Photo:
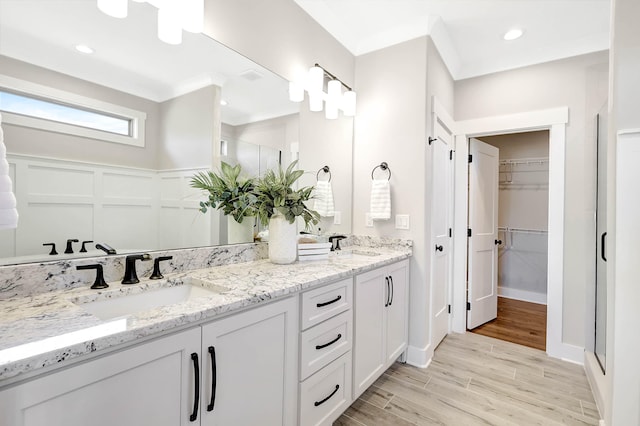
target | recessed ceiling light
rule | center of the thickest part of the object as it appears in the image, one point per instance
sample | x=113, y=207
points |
x=513, y=34
x=83, y=48
x=223, y=102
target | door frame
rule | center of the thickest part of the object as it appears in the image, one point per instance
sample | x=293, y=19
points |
x=554, y=120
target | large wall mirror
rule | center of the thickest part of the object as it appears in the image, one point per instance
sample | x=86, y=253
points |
x=201, y=103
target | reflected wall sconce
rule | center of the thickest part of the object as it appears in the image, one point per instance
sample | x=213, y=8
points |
x=333, y=100
x=173, y=16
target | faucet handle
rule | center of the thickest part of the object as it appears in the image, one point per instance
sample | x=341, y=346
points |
x=99, y=282
x=53, y=248
x=83, y=249
x=69, y=249
x=156, y=274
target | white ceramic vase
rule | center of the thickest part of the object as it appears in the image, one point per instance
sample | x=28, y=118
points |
x=240, y=232
x=283, y=240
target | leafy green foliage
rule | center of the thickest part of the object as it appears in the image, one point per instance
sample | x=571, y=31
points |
x=275, y=195
x=227, y=191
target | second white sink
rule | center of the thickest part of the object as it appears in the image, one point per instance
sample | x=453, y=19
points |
x=106, y=309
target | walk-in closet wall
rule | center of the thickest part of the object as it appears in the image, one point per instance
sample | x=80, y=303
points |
x=523, y=214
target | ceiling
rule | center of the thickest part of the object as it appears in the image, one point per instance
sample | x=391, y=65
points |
x=129, y=57
x=468, y=33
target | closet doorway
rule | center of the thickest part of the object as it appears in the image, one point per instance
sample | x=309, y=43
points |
x=515, y=257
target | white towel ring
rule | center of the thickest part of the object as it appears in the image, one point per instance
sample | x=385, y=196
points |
x=326, y=170
x=383, y=166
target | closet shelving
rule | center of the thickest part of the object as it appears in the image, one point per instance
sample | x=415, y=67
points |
x=524, y=172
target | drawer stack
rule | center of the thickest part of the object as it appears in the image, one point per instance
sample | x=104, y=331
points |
x=326, y=340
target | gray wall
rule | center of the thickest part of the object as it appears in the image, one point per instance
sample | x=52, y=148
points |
x=23, y=140
x=568, y=82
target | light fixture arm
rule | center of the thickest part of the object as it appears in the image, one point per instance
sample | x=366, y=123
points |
x=333, y=77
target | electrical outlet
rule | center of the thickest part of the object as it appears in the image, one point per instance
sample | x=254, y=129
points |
x=402, y=221
x=337, y=218
x=368, y=221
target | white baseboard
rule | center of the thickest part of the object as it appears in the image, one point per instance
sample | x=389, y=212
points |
x=527, y=296
x=597, y=381
x=419, y=357
x=565, y=352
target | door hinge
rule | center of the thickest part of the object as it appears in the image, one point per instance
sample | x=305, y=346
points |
x=469, y=232
x=470, y=158
x=449, y=308
x=468, y=306
x=450, y=232
x=451, y=155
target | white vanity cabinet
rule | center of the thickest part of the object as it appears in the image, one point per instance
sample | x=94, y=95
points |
x=155, y=383
x=326, y=340
x=149, y=384
x=380, y=322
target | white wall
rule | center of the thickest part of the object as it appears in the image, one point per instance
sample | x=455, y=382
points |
x=187, y=129
x=550, y=85
x=392, y=125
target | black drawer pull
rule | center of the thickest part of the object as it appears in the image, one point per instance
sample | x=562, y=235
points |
x=327, y=398
x=318, y=347
x=392, y=290
x=386, y=280
x=196, y=401
x=320, y=305
x=603, y=240
x=214, y=378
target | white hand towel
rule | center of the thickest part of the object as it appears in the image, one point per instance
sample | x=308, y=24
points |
x=380, y=208
x=324, y=199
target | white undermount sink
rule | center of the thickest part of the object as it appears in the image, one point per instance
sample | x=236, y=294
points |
x=153, y=298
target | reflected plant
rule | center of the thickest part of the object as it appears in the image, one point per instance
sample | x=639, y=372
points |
x=228, y=191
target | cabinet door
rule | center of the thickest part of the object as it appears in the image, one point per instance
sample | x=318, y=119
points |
x=150, y=384
x=371, y=293
x=397, y=318
x=250, y=373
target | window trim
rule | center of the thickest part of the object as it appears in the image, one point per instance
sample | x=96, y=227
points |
x=30, y=89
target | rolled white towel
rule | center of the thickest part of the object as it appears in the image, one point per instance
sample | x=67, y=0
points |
x=324, y=199
x=5, y=183
x=7, y=200
x=8, y=218
x=380, y=208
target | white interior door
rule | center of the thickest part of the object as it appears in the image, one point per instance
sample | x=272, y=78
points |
x=441, y=210
x=482, y=290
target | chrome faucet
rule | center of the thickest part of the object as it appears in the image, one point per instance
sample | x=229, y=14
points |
x=130, y=275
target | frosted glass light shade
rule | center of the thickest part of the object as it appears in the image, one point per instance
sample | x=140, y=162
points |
x=334, y=89
x=349, y=103
x=315, y=81
x=193, y=15
x=169, y=27
x=315, y=103
x=296, y=92
x=115, y=8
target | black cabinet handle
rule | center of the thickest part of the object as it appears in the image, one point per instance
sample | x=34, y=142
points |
x=214, y=378
x=386, y=303
x=603, y=240
x=318, y=347
x=392, y=290
x=320, y=305
x=497, y=242
x=196, y=402
x=327, y=398
x=439, y=248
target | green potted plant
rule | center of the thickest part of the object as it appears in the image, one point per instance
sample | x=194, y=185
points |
x=277, y=205
x=233, y=194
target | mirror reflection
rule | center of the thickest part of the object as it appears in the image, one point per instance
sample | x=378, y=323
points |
x=188, y=107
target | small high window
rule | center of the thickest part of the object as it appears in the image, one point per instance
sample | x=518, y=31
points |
x=31, y=105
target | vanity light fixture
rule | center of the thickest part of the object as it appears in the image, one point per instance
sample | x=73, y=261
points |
x=83, y=48
x=115, y=8
x=513, y=34
x=334, y=98
x=173, y=16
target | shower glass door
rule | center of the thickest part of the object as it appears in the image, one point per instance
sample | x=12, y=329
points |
x=601, y=245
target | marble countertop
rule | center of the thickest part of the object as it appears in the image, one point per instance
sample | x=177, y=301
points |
x=47, y=329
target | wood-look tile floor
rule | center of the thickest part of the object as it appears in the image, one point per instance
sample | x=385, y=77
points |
x=478, y=380
x=519, y=322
